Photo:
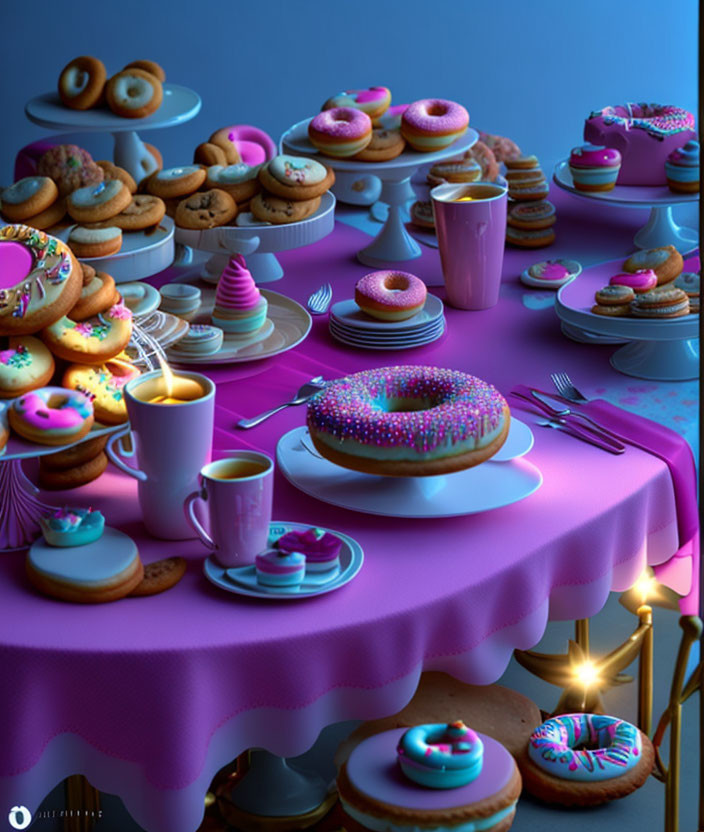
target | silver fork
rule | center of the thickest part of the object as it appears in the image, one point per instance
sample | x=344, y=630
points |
x=584, y=436
x=563, y=385
x=319, y=301
x=307, y=391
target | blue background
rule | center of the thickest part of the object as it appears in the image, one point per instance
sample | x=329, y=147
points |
x=529, y=70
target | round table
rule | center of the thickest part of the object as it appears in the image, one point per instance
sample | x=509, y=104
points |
x=149, y=697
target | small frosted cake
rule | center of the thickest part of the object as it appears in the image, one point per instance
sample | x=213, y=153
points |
x=239, y=308
x=275, y=568
x=72, y=526
x=321, y=548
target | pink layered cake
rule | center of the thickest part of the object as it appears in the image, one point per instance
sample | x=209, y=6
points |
x=239, y=307
x=644, y=134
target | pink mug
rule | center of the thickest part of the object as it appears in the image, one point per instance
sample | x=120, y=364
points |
x=238, y=492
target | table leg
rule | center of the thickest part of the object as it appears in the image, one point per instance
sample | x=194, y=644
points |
x=82, y=804
x=662, y=230
x=273, y=795
x=581, y=634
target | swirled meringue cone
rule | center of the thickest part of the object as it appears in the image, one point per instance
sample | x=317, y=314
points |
x=239, y=307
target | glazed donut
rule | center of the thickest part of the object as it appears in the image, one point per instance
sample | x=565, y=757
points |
x=52, y=416
x=104, y=386
x=152, y=67
x=134, y=93
x=586, y=759
x=94, y=341
x=441, y=756
x=82, y=82
x=340, y=132
x=25, y=364
x=390, y=295
x=374, y=101
x=40, y=280
x=433, y=124
x=408, y=421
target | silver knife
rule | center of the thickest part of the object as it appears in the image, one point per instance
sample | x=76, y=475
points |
x=579, y=433
x=559, y=409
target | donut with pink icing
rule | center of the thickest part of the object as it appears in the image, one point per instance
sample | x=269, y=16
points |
x=433, y=124
x=374, y=101
x=390, y=295
x=641, y=281
x=52, y=416
x=645, y=134
x=408, y=421
x=340, y=132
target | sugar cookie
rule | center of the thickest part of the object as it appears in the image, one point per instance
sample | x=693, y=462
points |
x=25, y=364
x=94, y=341
x=95, y=242
x=296, y=177
x=28, y=196
x=98, y=202
x=111, y=171
x=179, y=181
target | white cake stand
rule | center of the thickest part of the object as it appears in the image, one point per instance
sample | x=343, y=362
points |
x=143, y=253
x=258, y=241
x=179, y=105
x=665, y=350
x=393, y=244
x=20, y=505
x=661, y=229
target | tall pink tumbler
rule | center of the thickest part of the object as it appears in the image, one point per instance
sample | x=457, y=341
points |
x=470, y=221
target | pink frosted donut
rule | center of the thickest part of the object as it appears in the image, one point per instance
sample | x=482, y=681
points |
x=641, y=281
x=52, y=416
x=253, y=145
x=373, y=101
x=390, y=295
x=340, y=132
x=433, y=124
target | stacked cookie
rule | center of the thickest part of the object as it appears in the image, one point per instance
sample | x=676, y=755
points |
x=652, y=285
x=531, y=216
x=220, y=149
x=134, y=92
x=283, y=190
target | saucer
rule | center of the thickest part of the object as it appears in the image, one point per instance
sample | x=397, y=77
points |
x=241, y=580
x=346, y=312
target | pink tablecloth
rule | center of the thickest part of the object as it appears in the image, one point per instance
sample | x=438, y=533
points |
x=149, y=697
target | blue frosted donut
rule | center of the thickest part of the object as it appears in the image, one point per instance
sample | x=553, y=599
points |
x=441, y=756
x=585, y=747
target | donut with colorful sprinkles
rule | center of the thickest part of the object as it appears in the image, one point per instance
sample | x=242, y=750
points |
x=585, y=759
x=408, y=421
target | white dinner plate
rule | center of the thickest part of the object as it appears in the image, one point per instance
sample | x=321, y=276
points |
x=401, y=343
x=348, y=313
x=241, y=580
x=498, y=482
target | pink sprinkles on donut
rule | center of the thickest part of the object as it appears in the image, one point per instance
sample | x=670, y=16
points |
x=457, y=407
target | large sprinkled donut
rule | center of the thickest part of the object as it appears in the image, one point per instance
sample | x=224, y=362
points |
x=441, y=756
x=390, y=295
x=52, y=416
x=408, y=421
x=645, y=135
x=340, y=132
x=586, y=759
x=433, y=124
x=40, y=280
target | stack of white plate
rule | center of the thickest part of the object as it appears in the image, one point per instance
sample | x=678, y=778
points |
x=349, y=325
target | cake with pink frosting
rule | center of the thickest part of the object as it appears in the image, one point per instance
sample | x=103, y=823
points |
x=239, y=307
x=644, y=134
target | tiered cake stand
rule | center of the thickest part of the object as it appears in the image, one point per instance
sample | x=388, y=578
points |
x=258, y=241
x=20, y=506
x=178, y=106
x=661, y=229
x=143, y=253
x=393, y=244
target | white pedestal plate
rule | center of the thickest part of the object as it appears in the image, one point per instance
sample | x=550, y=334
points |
x=393, y=244
x=660, y=229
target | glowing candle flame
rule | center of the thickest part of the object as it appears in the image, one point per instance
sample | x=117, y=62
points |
x=586, y=673
x=168, y=377
x=646, y=585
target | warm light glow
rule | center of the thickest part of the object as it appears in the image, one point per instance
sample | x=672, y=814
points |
x=645, y=586
x=168, y=377
x=586, y=674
